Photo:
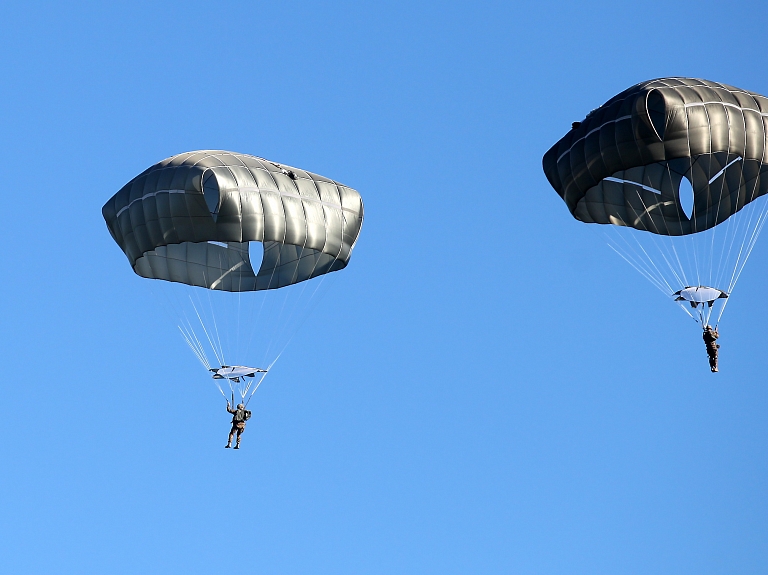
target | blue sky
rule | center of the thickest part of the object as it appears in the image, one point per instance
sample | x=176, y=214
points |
x=487, y=388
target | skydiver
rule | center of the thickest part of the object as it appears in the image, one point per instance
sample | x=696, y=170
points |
x=239, y=416
x=710, y=336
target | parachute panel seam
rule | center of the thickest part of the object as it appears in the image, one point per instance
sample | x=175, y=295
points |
x=568, y=151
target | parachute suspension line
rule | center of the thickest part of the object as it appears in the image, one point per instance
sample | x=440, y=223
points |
x=750, y=236
x=219, y=352
x=740, y=266
x=649, y=263
x=285, y=324
x=670, y=267
x=232, y=390
x=212, y=307
x=305, y=314
x=752, y=242
x=201, y=357
x=192, y=347
x=216, y=383
x=256, y=322
x=247, y=401
x=694, y=246
x=747, y=245
x=221, y=391
x=743, y=230
x=685, y=309
x=309, y=306
x=649, y=277
x=193, y=337
x=287, y=343
x=705, y=314
x=213, y=311
x=278, y=321
x=644, y=265
x=656, y=242
x=263, y=375
x=202, y=324
x=239, y=351
x=636, y=260
x=719, y=195
x=731, y=230
x=264, y=296
x=183, y=323
x=190, y=336
x=680, y=265
x=745, y=223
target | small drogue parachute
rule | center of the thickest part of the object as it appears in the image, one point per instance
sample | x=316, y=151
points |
x=235, y=372
x=230, y=230
x=700, y=295
x=675, y=168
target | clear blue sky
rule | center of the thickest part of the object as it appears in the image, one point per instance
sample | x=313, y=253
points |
x=486, y=389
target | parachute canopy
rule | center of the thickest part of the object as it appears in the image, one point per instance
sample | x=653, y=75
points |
x=189, y=219
x=624, y=163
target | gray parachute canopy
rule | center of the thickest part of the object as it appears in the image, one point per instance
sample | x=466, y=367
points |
x=189, y=219
x=623, y=164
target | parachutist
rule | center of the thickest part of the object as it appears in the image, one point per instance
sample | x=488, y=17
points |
x=239, y=416
x=710, y=336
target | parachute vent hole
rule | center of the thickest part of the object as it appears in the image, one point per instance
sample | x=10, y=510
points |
x=685, y=196
x=256, y=255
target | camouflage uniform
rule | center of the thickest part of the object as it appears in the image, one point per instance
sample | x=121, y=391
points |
x=710, y=336
x=239, y=416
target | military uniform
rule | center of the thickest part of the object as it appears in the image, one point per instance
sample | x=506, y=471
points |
x=239, y=416
x=710, y=337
